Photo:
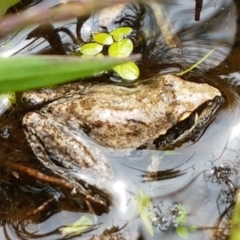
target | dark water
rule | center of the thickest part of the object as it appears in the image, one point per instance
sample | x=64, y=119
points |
x=202, y=177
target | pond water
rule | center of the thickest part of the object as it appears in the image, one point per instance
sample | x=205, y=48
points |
x=194, y=186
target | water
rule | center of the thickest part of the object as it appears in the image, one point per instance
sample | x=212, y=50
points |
x=200, y=178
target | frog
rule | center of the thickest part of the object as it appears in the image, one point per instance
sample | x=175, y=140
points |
x=154, y=114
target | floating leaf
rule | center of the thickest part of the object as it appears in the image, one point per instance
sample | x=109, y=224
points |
x=103, y=38
x=142, y=202
x=91, y=49
x=26, y=72
x=118, y=38
x=121, y=49
x=128, y=71
x=5, y=5
x=182, y=232
x=121, y=31
x=146, y=216
x=142, y=205
x=182, y=214
x=85, y=222
x=99, y=55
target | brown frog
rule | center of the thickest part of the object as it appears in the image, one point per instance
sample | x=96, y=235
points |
x=156, y=114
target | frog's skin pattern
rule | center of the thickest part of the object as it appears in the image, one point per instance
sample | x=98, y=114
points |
x=117, y=117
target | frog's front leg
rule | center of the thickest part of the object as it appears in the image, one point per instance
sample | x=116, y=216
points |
x=37, y=97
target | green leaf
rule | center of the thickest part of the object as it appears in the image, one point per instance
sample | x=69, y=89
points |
x=121, y=49
x=91, y=49
x=182, y=232
x=85, y=222
x=146, y=216
x=26, y=72
x=142, y=205
x=118, y=38
x=128, y=71
x=182, y=214
x=235, y=229
x=5, y=5
x=142, y=201
x=100, y=55
x=103, y=38
x=121, y=31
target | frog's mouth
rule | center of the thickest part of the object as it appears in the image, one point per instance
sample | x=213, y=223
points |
x=191, y=126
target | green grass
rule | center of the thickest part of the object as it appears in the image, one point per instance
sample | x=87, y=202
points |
x=28, y=72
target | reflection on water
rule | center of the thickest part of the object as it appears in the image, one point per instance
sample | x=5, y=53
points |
x=200, y=176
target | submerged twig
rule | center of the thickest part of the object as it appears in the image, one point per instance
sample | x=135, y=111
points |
x=40, y=208
x=89, y=199
x=198, y=9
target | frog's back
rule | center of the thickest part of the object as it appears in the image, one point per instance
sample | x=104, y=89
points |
x=120, y=117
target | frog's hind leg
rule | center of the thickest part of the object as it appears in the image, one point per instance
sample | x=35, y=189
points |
x=43, y=157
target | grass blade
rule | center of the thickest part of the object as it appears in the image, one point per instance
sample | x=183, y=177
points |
x=27, y=72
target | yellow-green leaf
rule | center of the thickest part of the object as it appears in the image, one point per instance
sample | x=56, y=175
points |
x=121, y=49
x=118, y=38
x=128, y=71
x=85, y=222
x=235, y=229
x=5, y=5
x=146, y=216
x=103, y=38
x=142, y=205
x=100, y=55
x=91, y=49
x=182, y=232
x=182, y=214
x=121, y=31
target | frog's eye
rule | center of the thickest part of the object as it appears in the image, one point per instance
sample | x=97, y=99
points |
x=184, y=116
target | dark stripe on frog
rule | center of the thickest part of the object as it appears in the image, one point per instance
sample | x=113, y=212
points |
x=182, y=126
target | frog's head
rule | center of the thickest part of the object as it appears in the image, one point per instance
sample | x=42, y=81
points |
x=200, y=102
